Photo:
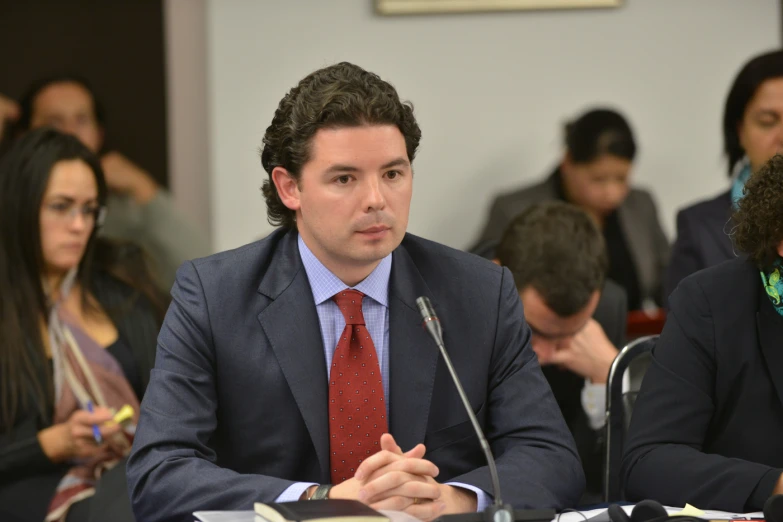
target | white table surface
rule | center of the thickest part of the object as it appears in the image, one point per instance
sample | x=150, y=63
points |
x=398, y=516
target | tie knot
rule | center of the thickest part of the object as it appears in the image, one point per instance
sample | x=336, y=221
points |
x=350, y=304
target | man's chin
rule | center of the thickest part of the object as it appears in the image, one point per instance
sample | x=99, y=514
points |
x=369, y=251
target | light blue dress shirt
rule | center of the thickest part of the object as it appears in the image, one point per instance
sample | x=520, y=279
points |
x=375, y=308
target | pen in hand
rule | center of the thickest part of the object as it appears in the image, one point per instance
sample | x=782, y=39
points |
x=95, y=431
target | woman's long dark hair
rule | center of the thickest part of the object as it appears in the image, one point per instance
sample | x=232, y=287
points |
x=25, y=375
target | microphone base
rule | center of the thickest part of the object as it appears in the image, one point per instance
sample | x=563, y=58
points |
x=502, y=514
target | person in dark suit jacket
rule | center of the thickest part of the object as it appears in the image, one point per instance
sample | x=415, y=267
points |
x=594, y=175
x=558, y=259
x=707, y=422
x=250, y=400
x=752, y=134
x=51, y=193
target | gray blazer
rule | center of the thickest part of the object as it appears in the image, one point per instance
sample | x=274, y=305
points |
x=638, y=218
x=236, y=409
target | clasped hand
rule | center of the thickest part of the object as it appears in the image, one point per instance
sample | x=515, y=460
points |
x=399, y=481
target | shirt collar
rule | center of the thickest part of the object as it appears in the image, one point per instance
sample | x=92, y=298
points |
x=325, y=284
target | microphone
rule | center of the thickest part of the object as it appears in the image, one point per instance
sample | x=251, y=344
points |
x=498, y=511
x=773, y=509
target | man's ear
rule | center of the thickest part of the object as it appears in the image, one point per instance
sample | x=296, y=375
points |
x=780, y=249
x=287, y=188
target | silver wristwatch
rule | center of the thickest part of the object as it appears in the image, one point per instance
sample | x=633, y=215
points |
x=321, y=492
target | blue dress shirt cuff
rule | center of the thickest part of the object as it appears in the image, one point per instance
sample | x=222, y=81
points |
x=293, y=492
x=483, y=500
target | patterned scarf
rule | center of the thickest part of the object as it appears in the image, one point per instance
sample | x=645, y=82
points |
x=85, y=372
x=774, y=286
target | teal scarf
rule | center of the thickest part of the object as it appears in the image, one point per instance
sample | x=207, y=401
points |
x=740, y=178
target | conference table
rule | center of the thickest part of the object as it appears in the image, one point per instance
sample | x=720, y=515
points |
x=397, y=516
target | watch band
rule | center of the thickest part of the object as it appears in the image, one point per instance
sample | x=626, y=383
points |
x=321, y=492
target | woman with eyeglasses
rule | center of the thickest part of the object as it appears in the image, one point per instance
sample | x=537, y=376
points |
x=79, y=319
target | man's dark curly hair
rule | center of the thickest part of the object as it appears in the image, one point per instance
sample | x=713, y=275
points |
x=758, y=220
x=341, y=95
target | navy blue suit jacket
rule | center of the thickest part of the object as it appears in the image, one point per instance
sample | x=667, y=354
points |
x=236, y=408
x=707, y=424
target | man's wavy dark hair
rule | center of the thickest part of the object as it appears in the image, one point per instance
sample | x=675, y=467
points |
x=558, y=250
x=341, y=95
x=758, y=220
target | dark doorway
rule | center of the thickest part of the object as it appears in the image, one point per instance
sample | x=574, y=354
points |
x=116, y=45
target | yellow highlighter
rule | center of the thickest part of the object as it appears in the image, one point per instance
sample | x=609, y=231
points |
x=124, y=416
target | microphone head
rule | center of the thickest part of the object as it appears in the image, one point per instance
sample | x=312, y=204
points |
x=617, y=514
x=647, y=510
x=773, y=509
x=425, y=308
x=430, y=319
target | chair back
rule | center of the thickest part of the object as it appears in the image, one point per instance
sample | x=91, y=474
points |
x=622, y=387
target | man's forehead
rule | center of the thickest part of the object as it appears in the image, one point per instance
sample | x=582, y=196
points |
x=555, y=331
x=63, y=95
x=380, y=145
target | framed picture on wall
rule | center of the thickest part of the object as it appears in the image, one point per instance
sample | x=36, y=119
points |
x=399, y=7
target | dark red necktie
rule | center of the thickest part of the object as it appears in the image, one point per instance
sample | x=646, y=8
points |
x=357, y=410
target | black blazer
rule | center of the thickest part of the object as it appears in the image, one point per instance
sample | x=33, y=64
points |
x=702, y=239
x=611, y=314
x=236, y=410
x=707, y=427
x=27, y=477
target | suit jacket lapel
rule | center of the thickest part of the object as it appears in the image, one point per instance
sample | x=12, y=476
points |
x=770, y=329
x=413, y=356
x=291, y=324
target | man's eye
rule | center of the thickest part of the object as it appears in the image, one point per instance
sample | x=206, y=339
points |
x=392, y=174
x=343, y=180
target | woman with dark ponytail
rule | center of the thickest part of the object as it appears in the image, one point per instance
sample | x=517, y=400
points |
x=594, y=174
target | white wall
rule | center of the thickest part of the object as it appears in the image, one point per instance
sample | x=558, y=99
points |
x=491, y=93
x=186, y=92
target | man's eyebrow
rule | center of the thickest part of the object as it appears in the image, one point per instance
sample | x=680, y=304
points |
x=549, y=336
x=346, y=168
x=336, y=168
x=399, y=162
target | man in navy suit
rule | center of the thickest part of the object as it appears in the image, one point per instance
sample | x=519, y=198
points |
x=296, y=367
